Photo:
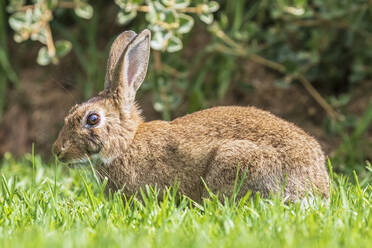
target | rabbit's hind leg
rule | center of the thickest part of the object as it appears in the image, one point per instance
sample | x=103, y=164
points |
x=259, y=166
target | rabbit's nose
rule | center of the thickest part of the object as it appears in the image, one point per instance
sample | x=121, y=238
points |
x=57, y=150
x=58, y=153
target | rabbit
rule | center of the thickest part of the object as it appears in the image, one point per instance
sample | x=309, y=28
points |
x=208, y=148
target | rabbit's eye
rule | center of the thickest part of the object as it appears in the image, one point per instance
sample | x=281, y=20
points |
x=93, y=119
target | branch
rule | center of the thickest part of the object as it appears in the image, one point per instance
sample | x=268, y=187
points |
x=321, y=101
x=49, y=41
x=241, y=51
x=305, y=83
x=25, y=8
x=67, y=5
x=157, y=61
x=193, y=10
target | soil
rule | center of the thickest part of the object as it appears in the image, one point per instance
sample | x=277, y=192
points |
x=34, y=113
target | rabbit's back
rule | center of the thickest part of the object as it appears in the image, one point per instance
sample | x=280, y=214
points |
x=241, y=123
x=213, y=126
x=278, y=144
x=213, y=143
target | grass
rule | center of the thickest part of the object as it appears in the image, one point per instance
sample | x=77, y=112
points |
x=52, y=206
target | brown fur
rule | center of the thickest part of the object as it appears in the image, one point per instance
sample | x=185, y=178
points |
x=211, y=144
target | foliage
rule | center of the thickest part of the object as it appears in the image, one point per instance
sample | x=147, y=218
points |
x=32, y=22
x=354, y=146
x=323, y=45
x=166, y=18
x=326, y=43
x=5, y=67
x=43, y=206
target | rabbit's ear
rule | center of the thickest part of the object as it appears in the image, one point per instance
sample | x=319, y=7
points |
x=135, y=61
x=117, y=48
x=130, y=69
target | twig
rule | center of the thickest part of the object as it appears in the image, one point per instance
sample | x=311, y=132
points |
x=337, y=22
x=143, y=8
x=305, y=83
x=49, y=41
x=321, y=101
x=239, y=50
x=44, y=23
x=159, y=66
x=268, y=63
x=224, y=37
x=25, y=8
x=67, y=5
x=194, y=10
x=157, y=61
x=170, y=70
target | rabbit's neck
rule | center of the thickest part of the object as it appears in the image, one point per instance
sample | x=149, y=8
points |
x=142, y=160
x=120, y=137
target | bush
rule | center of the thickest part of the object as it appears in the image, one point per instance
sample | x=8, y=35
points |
x=323, y=45
x=326, y=42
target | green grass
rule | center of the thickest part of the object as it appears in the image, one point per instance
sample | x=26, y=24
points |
x=52, y=206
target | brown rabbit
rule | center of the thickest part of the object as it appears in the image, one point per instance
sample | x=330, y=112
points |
x=211, y=144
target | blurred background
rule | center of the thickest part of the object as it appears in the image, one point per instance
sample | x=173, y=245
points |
x=307, y=61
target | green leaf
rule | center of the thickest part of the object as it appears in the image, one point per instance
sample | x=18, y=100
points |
x=128, y=4
x=169, y=17
x=206, y=18
x=212, y=6
x=125, y=17
x=224, y=21
x=174, y=44
x=84, y=10
x=52, y=3
x=43, y=57
x=177, y=4
x=185, y=23
x=152, y=15
x=138, y=2
x=18, y=38
x=159, y=40
x=40, y=36
x=159, y=106
x=14, y=5
x=63, y=47
x=19, y=20
x=121, y=3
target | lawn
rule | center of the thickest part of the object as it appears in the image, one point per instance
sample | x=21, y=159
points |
x=49, y=205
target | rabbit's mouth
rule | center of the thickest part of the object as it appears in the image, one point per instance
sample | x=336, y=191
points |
x=79, y=163
x=91, y=160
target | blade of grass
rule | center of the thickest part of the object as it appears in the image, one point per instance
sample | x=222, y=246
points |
x=33, y=165
x=6, y=191
x=89, y=192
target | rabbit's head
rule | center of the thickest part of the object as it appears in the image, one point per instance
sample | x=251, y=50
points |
x=102, y=127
